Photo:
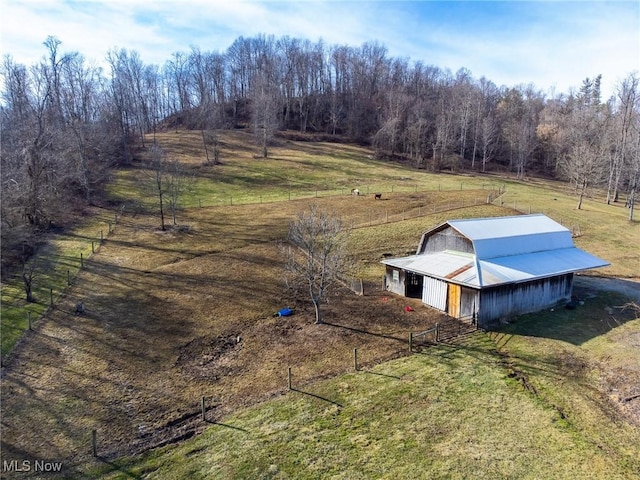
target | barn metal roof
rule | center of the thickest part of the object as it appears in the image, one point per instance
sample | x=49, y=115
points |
x=515, y=235
x=507, y=250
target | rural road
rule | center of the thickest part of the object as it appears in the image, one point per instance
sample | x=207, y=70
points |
x=630, y=288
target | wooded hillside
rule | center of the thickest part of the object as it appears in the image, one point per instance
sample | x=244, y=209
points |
x=66, y=123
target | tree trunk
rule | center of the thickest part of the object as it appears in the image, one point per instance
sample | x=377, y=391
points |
x=28, y=285
x=316, y=306
x=204, y=142
x=582, y=190
x=161, y=211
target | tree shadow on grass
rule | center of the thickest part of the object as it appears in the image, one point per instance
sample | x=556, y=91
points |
x=358, y=330
x=597, y=315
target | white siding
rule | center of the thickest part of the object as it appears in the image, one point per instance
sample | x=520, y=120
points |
x=434, y=293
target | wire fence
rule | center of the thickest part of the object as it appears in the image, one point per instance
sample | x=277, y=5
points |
x=301, y=192
x=52, y=284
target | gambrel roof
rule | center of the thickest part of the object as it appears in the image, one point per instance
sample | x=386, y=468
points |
x=505, y=250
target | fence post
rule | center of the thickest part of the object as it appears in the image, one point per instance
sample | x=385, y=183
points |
x=29, y=319
x=94, y=442
x=68, y=277
x=93, y=247
x=410, y=342
x=204, y=410
x=437, y=332
x=289, y=378
x=355, y=359
x=81, y=260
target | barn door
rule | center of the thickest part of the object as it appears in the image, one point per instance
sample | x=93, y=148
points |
x=434, y=293
x=453, y=304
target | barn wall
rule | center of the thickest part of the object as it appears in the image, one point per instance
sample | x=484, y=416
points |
x=394, y=282
x=514, y=299
x=434, y=293
x=469, y=302
x=447, y=239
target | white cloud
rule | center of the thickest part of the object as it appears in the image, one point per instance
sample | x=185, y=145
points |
x=544, y=43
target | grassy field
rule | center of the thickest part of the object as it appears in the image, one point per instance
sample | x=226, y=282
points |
x=452, y=411
x=165, y=311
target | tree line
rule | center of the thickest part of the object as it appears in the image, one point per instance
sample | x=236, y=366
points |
x=66, y=122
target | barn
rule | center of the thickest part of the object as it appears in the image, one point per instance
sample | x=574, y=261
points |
x=487, y=269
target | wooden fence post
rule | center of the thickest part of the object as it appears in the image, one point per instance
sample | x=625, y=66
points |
x=437, y=332
x=29, y=319
x=410, y=342
x=93, y=247
x=68, y=277
x=81, y=260
x=204, y=410
x=289, y=378
x=355, y=359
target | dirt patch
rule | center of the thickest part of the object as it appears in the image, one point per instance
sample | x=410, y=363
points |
x=209, y=357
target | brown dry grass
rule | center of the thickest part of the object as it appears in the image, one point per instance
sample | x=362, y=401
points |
x=165, y=309
x=164, y=313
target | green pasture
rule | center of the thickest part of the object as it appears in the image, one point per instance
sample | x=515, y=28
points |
x=525, y=401
x=306, y=170
x=451, y=411
x=57, y=264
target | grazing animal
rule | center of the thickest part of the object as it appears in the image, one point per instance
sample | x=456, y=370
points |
x=355, y=191
x=378, y=196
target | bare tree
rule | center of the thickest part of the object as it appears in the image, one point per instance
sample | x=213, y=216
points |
x=488, y=139
x=316, y=255
x=29, y=273
x=159, y=175
x=177, y=183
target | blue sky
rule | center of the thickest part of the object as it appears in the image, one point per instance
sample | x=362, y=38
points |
x=554, y=45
